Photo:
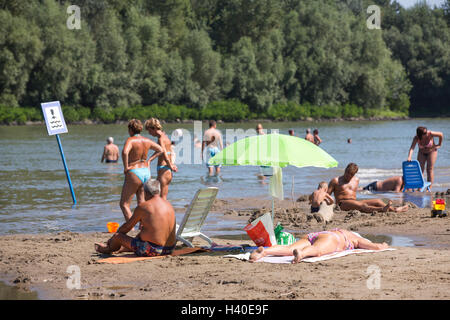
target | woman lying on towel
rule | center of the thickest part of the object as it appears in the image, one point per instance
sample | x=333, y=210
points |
x=317, y=244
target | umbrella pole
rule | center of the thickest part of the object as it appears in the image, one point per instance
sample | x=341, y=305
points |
x=273, y=212
x=292, y=191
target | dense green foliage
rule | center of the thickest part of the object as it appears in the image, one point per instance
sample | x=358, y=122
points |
x=229, y=60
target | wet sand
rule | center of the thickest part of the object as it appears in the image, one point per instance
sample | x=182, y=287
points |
x=40, y=262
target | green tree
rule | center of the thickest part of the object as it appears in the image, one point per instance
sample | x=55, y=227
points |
x=420, y=39
x=235, y=19
x=20, y=51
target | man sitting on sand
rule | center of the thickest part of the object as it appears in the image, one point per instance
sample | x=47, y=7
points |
x=345, y=187
x=157, y=236
x=318, y=196
x=391, y=184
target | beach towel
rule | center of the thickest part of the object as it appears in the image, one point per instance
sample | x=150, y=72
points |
x=127, y=258
x=227, y=247
x=288, y=259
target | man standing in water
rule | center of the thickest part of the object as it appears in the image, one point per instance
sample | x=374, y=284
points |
x=212, y=140
x=345, y=187
x=110, y=152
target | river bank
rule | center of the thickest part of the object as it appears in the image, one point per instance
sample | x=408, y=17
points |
x=189, y=121
x=40, y=262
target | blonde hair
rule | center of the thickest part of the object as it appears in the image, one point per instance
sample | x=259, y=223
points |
x=153, y=123
x=323, y=185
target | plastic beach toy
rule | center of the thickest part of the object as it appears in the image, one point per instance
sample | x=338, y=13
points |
x=112, y=227
x=438, y=207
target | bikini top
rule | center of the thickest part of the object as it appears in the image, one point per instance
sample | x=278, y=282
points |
x=428, y=145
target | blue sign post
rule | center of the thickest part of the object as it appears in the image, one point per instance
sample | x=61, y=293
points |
x=54, y=120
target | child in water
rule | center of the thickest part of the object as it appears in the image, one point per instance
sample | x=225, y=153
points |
x=320, y=195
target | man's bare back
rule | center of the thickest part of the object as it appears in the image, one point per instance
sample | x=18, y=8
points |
x=157, y=222
x=157, y=235
x=110, y=151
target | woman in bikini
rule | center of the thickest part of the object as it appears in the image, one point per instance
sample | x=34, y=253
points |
x=136, y=166
x=427, y=150
x=165, y=160
x=317, y=244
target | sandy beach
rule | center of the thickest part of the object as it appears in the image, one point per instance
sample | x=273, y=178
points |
x=40, y=262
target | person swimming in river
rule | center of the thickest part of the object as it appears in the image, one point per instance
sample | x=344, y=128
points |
x=165, y=167
x=320, y=195
x=136, y=166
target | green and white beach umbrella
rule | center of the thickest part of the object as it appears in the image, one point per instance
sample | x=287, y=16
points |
x=274, y=150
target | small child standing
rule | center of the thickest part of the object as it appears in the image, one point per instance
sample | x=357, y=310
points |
x=320, y=195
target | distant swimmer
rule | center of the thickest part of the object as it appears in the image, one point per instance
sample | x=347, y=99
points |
x=136, y=166
x=291, y=132
x=427, y=149
x=110, y=152
x=391, y=184
x=309, y=136
x=212, y=141
x=317, y=140
x=166, y=160
x=349, y=140
x=259, y=129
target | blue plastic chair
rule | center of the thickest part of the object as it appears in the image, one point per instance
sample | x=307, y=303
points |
x=413, y=177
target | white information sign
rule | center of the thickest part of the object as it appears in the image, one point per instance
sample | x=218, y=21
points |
x=54, y=118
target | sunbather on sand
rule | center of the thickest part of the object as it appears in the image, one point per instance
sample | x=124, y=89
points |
x=345, y=187
x=157, y=236
x=320, y=195
x=391, y=184
x=317, y=244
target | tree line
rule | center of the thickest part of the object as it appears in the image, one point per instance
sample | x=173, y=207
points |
x=234, y=59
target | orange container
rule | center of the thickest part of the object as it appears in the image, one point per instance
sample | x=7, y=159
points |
x=112, y=227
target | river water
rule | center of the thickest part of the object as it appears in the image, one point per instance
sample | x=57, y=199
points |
x=35, y=197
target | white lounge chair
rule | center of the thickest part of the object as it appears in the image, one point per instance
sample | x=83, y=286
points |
x=195, y=216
